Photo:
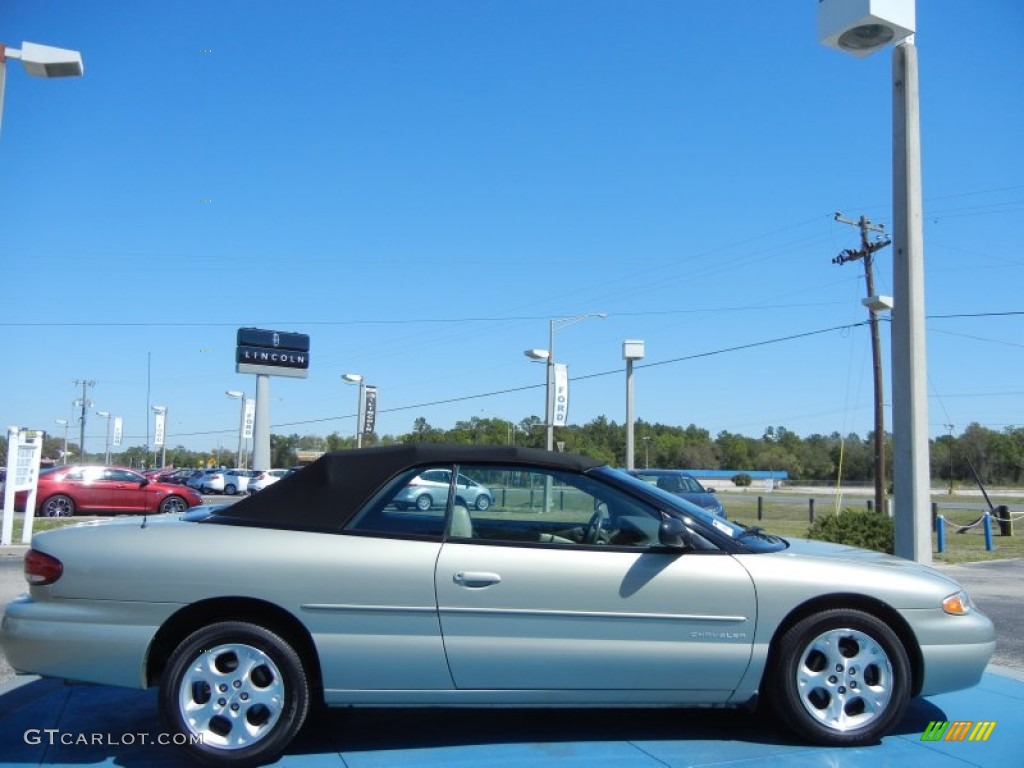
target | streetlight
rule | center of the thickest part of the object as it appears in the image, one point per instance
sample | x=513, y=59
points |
x=631, y=350
x=160, y=433
x=64, y=423
x=106, y=445
x=357, y=378
x=41, y=61
x=862, y=27
x=548, y=356
x=234, y=394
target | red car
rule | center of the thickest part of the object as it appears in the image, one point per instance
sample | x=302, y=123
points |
x=66, y=491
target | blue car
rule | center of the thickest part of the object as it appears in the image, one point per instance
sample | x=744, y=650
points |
x=684, y=485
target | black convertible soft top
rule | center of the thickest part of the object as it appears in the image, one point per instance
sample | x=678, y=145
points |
x=329, y=491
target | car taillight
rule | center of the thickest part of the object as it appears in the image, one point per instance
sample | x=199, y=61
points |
x=42, y=569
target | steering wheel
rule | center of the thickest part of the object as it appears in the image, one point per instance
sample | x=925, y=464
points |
x=594, y=525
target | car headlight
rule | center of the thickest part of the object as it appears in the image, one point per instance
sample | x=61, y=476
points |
x=958, y=604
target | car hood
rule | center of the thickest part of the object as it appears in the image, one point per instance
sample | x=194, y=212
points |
x=841, y=553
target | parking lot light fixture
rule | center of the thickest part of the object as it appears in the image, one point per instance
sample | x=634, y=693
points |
x=860, y=28
x=548, y=356
x=357, y=378
x=40, y=61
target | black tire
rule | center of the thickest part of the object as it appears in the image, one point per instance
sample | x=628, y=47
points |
x=230, y=490
x=58, y=506
x=424, y=502
x=483, y=501
x=841, y=678
x=239, y=686
x=173, y=505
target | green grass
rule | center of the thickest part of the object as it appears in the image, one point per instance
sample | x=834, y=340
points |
x=788, y=515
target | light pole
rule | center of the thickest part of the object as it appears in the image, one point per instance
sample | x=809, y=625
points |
x=105, y=415
x=548, y=356
x=357, y=378
x=160, y=433
x=862, y=27
x=631, y=350
x=234, y=394
x=64, y=423
x=41, y=61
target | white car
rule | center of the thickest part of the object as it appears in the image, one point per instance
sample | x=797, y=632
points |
x=237, y=480
x=265, y=478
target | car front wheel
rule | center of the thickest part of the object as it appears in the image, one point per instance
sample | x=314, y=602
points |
x=424, y=503
x=59, y=506
x=842, y=678
x=173, y=505
x=229, y=490
x=237, y=691
x=483, y=501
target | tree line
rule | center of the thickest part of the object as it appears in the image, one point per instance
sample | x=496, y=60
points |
x=995, y=457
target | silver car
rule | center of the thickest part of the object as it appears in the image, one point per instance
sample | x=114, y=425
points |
x=579, y=586
x=430, y=489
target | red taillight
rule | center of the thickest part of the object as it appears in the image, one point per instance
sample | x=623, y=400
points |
x=42, y=569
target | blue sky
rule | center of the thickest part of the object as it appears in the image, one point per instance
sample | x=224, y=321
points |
x=422, y=186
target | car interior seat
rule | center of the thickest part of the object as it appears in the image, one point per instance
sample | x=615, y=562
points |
x=462, y=524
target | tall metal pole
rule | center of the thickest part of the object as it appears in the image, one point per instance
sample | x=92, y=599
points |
x=549, y=416
x=912, y=491
x=241, y=432
x=360, y=414
x=629, y=413
x=261, y=424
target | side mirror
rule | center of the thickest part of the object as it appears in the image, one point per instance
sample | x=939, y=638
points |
x=710, y=490
x=144, y=483
x=674, y=534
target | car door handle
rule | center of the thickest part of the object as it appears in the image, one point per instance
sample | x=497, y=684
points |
x=476, y=579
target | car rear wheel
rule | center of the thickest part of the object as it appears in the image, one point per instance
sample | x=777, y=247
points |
x=842, y=678
x=59, y=506
x=424, y=502
x=173, y=505
x=237, y=691
x=230, y=490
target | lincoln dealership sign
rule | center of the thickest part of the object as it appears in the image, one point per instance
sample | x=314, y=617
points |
x=274, y=353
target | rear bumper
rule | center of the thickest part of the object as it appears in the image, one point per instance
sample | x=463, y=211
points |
x=90, y=641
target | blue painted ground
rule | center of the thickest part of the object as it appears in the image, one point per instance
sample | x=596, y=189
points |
x=120, y=720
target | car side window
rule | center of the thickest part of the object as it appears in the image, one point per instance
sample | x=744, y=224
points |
x=546, y=507
x=412, y=505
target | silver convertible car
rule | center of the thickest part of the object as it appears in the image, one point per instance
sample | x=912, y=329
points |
x=578, y=586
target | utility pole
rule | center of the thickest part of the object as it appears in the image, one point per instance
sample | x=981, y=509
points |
x=875, y=304
x=950, y=427
x=84, y=404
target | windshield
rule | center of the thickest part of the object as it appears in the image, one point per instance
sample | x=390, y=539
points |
x=751, y=537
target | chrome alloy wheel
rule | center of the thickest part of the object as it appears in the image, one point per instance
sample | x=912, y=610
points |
x=232, y=696
x=844, y=679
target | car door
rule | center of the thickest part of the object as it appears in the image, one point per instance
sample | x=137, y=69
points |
x=526, y=602
x=124, y=491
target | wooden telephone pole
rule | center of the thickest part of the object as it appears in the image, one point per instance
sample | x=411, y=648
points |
x=875, y=304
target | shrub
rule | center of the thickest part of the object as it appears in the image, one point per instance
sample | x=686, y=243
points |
x=742, y=480
x=857, y=528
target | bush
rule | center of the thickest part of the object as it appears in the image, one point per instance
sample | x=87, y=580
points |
x=742, y=480
x=857, y=528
